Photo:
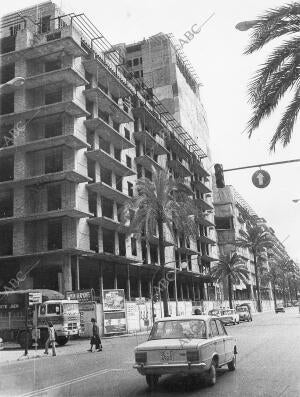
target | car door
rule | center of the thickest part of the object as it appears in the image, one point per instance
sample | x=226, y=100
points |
x=218, y=341
x=228, y=343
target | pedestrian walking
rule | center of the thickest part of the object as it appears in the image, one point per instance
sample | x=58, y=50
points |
x=95, y=339
x=51, y=339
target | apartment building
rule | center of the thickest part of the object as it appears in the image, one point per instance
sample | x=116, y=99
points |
x=76, y=133
x=158, y=65
x=231, y=215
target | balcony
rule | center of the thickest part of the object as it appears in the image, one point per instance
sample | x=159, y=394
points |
x=73, y=141
x=107, y=161
x=185, y=187
x=206, y=240
x=147, y=162
x=116, y=82
x=187, y=250
x=199, y=169
x=73, y=108
x=149, y=117
x=201, y=187
x=154, y=240
x=108, y=191
x=203, y=204
x=108, y=133
x=66, y=39
x=108, y=105
x=65, y=76
x=180, y=168
x=153, y=143
x=106, y=223
x=71, y=176
x=207, y=258
x=178, y=146
x=202, y=220
x=71, y=213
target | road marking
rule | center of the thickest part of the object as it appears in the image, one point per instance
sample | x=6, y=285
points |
x=69, y=382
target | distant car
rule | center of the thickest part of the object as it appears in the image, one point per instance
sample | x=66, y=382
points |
x=227, y=316
x=279, y=308
x=1, y=344
x=244, y=313
x=192, y=345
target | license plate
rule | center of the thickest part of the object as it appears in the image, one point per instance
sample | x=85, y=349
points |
x=167, y=355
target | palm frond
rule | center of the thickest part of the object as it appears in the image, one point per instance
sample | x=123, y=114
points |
x=274, y=23
x=285, y=128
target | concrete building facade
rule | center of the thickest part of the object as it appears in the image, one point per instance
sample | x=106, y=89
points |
x=231, y=215
x=75, y=136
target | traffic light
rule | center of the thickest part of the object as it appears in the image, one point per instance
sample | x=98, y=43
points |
x=220, y=182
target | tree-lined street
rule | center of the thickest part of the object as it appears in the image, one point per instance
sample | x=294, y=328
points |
x=268, y=362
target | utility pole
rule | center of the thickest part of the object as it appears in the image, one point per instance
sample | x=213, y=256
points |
x=26, y=322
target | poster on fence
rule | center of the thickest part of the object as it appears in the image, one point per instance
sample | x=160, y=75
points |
x=113, y=299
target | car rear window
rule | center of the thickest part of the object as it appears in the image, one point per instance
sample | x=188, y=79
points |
x=177, y=329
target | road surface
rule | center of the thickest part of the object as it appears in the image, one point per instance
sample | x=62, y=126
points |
x=268, y=365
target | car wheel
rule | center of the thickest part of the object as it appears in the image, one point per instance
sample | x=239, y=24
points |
x=152, y=381
x=211, y=378
x=232, y=364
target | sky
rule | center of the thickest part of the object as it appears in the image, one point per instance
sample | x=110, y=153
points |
x=216, y=54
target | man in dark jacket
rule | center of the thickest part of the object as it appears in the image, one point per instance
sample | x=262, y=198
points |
x=95, y=339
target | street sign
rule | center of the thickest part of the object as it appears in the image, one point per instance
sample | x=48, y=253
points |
x=34, y=298
x=261, y=178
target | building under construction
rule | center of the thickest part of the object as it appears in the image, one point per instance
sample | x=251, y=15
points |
x=77, y=130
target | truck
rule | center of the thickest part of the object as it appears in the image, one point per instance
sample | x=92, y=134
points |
x=63, y=313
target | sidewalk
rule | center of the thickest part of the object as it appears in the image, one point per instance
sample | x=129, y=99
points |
x=13, y=352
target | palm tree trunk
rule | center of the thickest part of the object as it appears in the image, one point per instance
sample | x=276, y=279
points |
x=274, y=293
x=164, y=282
x=230, y=291
x=257, y=282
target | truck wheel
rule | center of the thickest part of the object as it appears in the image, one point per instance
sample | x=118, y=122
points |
x=22, y=339
x=62, y=340
x=152, y=381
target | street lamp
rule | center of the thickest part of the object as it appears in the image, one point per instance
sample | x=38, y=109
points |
x=16, y=82
x=246, y=25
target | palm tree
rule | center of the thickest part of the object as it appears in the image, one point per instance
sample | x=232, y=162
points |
x=280, y=72
x=256, y=239
x=160, y=203
x=273, y=275
x=232, y=269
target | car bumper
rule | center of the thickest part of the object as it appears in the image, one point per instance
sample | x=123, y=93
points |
x=161, y=369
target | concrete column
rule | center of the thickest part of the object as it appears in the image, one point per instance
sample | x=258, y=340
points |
x=181, y=291
x=117, y=250
x=198, y=291
x=128, y=283
x=100, y=239
x=150, y=289
x=139, y=285
x=101, y=281
x=77, y=272
x=188, y=290
x=66, y=274
x=115, y=277
x=193, y=286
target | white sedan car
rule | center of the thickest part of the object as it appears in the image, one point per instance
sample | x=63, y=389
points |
x=186, y=345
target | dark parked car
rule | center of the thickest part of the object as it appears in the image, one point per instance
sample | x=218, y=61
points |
x=244, y=312
x=279, y=308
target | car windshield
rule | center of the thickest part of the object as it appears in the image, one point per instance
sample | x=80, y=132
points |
x=177, y=329
x=242, y=309
x=226, y=312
